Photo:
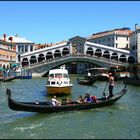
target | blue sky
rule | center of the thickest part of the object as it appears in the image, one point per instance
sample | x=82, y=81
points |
x=55, y=21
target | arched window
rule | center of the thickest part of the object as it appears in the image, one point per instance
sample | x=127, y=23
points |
x=33, y=60
x=106, y=54
x=114, y=56
x=90, y=51
x=57, y=53
x=26, y=48
x=19, y=48
x=25, y=62
x=65, y=51
x=122, y=58
x=98, y=52
x=19, y=58
x=49, y=56
x=131, y=59
x=22, y=48
x=41, y=57
x=31, y=48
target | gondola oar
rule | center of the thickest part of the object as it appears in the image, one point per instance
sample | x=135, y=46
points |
x=125, y=83
x=104, y=95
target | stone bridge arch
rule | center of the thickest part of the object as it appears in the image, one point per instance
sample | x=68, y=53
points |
x=44, y=67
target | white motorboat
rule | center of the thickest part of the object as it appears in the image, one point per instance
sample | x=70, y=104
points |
x=58, y=82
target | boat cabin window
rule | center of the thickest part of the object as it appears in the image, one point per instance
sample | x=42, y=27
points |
x=66, y=82
x=51, y=75
x=53, y=83
x=66, y=76
x=58, y=75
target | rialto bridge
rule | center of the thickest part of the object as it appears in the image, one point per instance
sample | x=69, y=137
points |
x=75, y=49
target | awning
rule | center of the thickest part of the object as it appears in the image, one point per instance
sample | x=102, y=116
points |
x=1, y=69
x=14, y=65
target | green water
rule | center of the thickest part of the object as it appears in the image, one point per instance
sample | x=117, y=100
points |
x=119, y=121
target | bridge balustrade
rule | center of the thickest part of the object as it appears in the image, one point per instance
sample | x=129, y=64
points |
x=76, y=55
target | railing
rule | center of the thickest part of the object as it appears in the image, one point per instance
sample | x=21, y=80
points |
x=106, y=60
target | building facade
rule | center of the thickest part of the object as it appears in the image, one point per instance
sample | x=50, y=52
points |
x=7, y=55
x=21, y=44
x=117, y=38
x=135, y=43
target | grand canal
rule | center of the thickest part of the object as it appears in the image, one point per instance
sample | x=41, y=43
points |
x=120, y=121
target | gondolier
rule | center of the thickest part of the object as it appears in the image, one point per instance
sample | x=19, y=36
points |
x=111, y=84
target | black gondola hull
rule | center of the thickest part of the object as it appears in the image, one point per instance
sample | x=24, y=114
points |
x=43, y=107
x=87, y=81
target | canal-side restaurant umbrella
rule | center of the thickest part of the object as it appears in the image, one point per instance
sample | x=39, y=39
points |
x=1, y=69
x=1, y=72
x=15, y=65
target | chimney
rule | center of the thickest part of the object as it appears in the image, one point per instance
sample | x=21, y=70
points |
x=4, y=37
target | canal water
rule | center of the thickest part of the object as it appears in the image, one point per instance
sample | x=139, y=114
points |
x=119, y=121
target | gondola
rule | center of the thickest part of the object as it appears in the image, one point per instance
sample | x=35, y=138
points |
x=133, y=81
x=87, y=81
x=46, y=107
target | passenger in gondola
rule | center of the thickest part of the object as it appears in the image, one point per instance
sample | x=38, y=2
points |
x=80, y=99
x=87, y=98
x=55, y=102
x=36, y=102
x=94, y=98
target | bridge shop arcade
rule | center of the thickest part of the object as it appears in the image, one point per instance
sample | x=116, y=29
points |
x=77, y=46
